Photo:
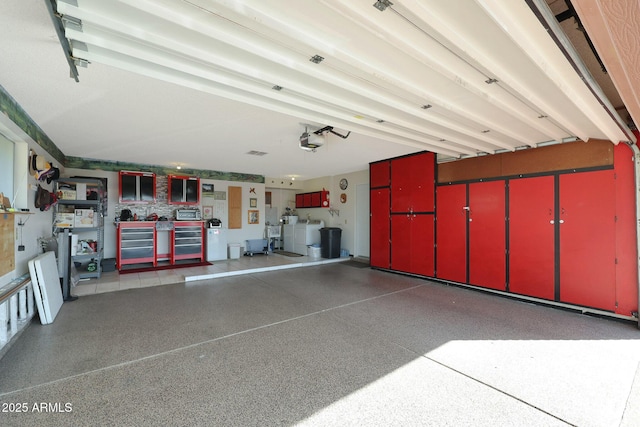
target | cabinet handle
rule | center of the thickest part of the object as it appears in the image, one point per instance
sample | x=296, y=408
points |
x=552, y=222
x=562, y=221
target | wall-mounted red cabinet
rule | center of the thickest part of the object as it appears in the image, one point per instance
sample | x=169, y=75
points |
x=183, y=190
x=379, y=223
x=413, y=183
x=315, y=199
x=380, y=174
x=137, y=187
x=531, y=236
x=587, y=223
x=451, y=229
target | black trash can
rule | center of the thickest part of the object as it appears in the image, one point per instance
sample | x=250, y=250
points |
x=330, y=242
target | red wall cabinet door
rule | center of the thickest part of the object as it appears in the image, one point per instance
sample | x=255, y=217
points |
x=423, y=194
x=487, y=235
x=380, y=247
x=379, y=174
x=299, y=200
x=401, y=185
x=451, y=230
x=531, y=237
x=587, y=239
x=412, y=183
x=306, y=200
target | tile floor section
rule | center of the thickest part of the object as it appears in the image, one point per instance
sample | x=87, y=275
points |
x=114, y=281
x=323, y=345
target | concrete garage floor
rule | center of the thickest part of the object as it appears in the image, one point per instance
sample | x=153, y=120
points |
x=322, y=345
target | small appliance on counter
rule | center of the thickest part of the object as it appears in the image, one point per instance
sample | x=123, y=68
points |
x=188, y=215
x=214, y=223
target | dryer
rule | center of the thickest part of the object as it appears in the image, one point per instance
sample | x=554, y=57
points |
x=306, y=233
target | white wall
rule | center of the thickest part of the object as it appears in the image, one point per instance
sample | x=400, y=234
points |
x=346, y=218
x=36, y=223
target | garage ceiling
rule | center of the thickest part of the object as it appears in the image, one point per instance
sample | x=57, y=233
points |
x=201, y=83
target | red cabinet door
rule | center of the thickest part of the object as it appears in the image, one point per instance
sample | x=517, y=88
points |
x=401, y=185
x=587, y=239
x=451, y=232
x=412, y=183
x=315, y=200
x=299, y=200
x=306, y=200
x=412, y=241
x=401, y=242
x=422, y=245
x=531, y=237
x=379, y=174
x=487, y=235
x=380, y=248
x=423, y=193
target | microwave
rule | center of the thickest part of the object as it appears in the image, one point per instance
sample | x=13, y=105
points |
x=188, y=215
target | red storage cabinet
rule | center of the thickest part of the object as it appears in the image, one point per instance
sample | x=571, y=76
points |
x=531, y=237
x=451, y=229
x=412, y=243
x=315, y=199
x=487, y=235
x=587, y=239
x=413, y=183
x=379, y=234
x=187, y=241
x=380, y=174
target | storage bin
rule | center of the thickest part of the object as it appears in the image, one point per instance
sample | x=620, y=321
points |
x=313, y=251
x=234, y=250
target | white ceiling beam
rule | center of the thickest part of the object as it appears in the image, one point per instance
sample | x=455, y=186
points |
x=92, y=34
x=137, y=65
x=471, y=28
x=95, y=37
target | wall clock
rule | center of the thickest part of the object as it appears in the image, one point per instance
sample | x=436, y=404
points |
x=344, y=184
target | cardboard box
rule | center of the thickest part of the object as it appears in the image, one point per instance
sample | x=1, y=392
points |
x=85, y=218
x=64, y=220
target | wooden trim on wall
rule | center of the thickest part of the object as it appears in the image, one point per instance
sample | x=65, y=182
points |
x=567, y=156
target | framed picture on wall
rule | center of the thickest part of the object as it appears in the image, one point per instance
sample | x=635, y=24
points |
x=253, y=203
x=254, y=217
x=207, y=212
x=207, y=190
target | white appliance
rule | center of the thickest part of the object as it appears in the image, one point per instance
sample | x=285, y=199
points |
x=287, y=236
x=216, y=244
x=306, y=233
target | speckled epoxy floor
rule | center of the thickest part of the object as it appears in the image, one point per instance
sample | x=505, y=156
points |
x=321, y=345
